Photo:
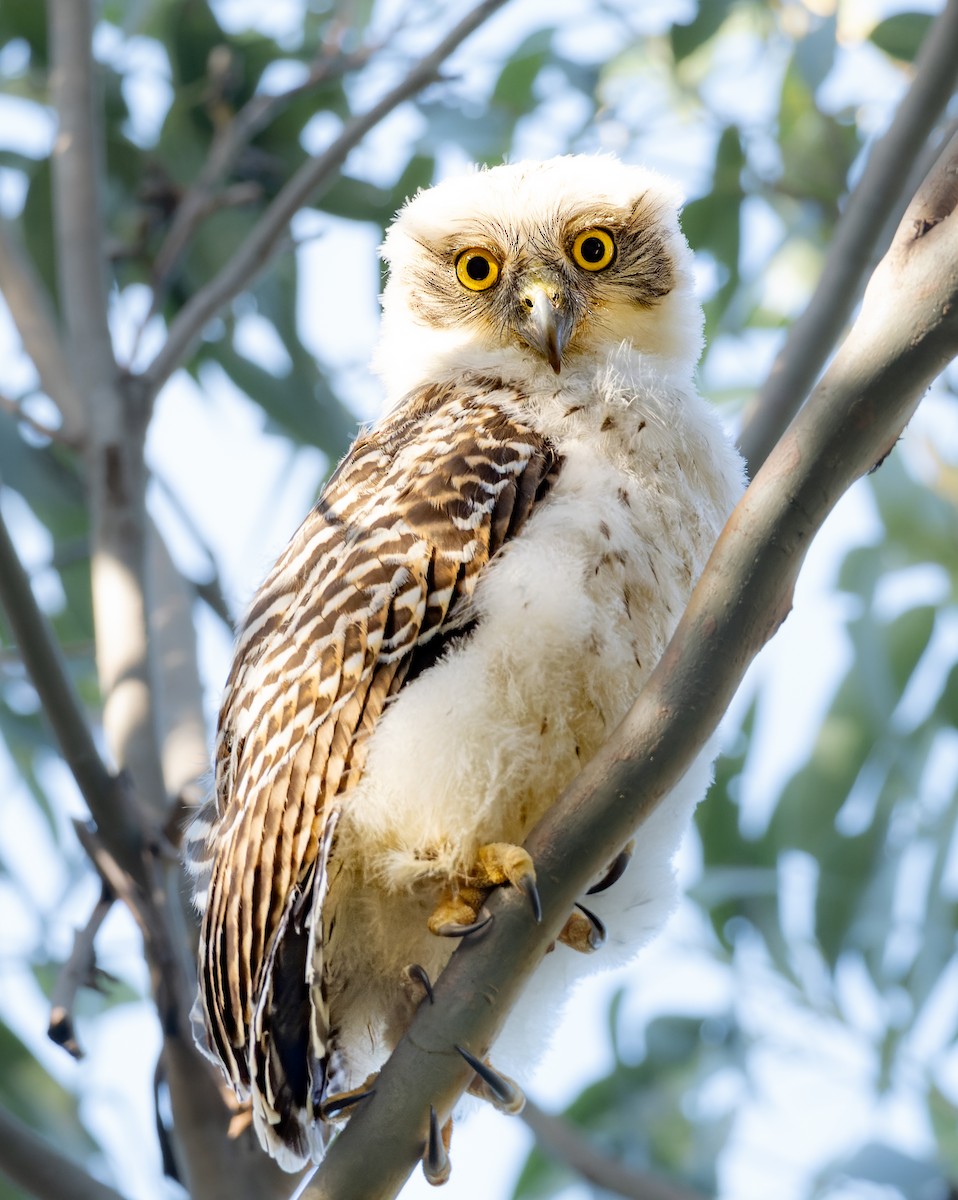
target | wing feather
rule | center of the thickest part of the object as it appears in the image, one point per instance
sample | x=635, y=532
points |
x=384, y=565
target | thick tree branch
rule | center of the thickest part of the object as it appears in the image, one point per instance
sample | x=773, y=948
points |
x=32, y=313
x=117, y=412
x=77, y=166
x=877, y=197
x=35, y=1165
x=308, y=183
x=183, y=736
x=906, y=334
x=570, y=1146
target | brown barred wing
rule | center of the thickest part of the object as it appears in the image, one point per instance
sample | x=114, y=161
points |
x=381, y=570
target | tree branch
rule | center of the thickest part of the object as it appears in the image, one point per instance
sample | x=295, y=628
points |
x=569, y=1145
x=905, y=335
x=308, y=182
x=15, y=410
x=77, y=166
x=230, y=139
x=116, y=416
x=106, y=795
x=77, y=972
x=876, y=198
x=32, y=313
x=35, y=1164
x=183, y=736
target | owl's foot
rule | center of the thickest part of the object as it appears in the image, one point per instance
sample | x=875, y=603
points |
x=333, y=1108
x=416, y=984
x=497, y=863
x=435, y=1156
x=583, y=931
x=456, y=917
x=501, y=1091
x=616, y=870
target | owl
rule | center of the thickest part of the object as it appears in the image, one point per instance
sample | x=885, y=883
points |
x=485, y=583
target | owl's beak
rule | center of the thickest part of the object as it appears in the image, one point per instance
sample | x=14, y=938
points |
x=546, y=323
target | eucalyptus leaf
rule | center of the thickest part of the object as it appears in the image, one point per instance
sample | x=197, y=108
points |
x=902, y=34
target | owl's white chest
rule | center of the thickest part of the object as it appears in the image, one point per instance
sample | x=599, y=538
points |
x=572, y=616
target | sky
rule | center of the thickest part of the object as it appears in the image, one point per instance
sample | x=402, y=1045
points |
x=246, y=491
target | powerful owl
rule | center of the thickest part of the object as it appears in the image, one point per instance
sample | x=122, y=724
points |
x=461, y=621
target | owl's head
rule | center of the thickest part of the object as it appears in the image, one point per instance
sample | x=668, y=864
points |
x=537, y=266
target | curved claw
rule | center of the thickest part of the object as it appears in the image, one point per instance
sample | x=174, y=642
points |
x=417, y=974
x=435, y=1160
x=501, y=1091
x=615, y=872
x=334, y=1106
x=450, y=929
x=598, y=935
x=527, y=884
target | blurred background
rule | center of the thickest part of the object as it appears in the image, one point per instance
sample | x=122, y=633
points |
x=793, y=1033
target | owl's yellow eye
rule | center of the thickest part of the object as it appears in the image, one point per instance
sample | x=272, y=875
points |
x=593, y=249
x=476, y=270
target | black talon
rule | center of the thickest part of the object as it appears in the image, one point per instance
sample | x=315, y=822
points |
x=435, y=1160
x=460, y=931
x=336, y=1104
x=415, y=971
x=505, y=1094
x=614, y=873
x=598, y=934
x=528, y=884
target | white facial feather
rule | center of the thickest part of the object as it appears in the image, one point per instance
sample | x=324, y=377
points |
x=522, y=205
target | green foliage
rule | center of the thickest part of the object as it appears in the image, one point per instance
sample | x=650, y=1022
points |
x=901, y=35
x=30, y=1093
x=637, y=1114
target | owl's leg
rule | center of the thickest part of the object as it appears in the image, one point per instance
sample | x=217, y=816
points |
x=497, y=863
x=435, y=1156
x=583, y=931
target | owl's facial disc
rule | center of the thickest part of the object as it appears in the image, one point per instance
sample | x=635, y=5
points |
x=545, y=321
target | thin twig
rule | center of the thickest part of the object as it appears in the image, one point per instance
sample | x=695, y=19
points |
x=230, y=139
x=113, y=876
x=16, y=410
x=878, y=195
x=568, y=1144
x=32, y=313
x=209, y=590
x=37, y=1166
x=79, y=971
x=308, y=182
x=905, y=335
